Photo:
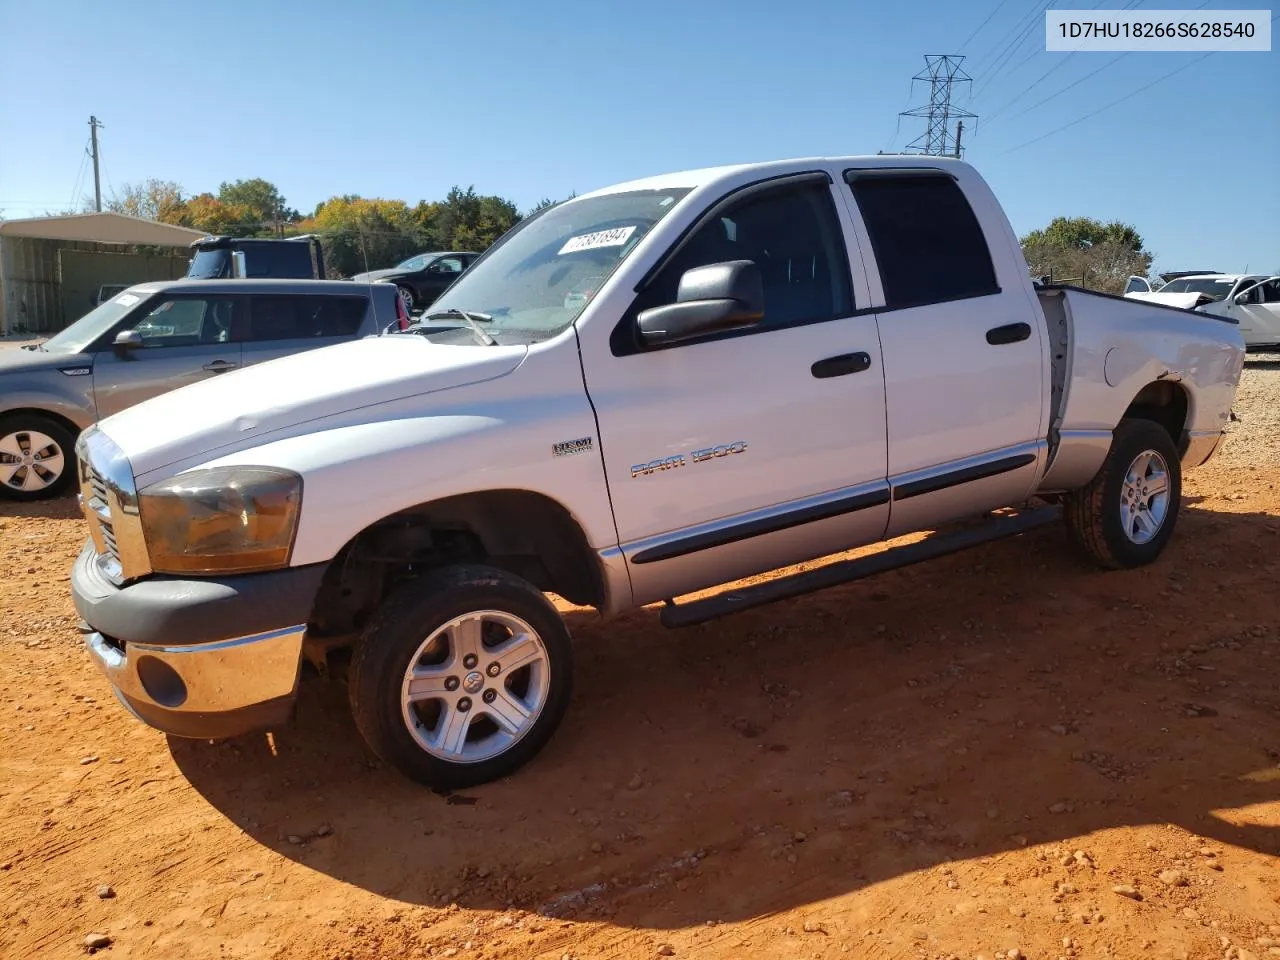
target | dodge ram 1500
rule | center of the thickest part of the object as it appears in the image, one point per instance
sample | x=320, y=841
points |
x=646, y=391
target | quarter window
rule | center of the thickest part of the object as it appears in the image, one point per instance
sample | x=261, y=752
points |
x=792, y=233
x=927, y=241
x=304, y=317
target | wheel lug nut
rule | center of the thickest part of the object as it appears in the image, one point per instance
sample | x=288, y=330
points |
x=490, y=696
x=493, y=669
x=464, y=704
x=470, y=660
x=451, y=683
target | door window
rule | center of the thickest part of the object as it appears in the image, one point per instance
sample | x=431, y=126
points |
x=446, y=265
x=187, y=321
x=792, y=233
x=304, y=317
x=927, y=241
x=1271, y=291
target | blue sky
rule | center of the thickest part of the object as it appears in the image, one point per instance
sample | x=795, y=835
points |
x=404, y=98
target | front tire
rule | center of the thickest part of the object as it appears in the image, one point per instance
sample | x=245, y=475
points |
x=462, y=678
x=37, y=457
x=1125, y=516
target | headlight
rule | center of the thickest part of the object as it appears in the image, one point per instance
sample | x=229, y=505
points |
x=222, y=520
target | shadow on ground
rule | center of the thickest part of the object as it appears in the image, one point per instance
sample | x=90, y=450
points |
x=989, y=700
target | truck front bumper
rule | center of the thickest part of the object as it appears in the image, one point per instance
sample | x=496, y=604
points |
x=203, y=658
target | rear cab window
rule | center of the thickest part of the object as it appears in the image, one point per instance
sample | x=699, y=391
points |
x=928, y=244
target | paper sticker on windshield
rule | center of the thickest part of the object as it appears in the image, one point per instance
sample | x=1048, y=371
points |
x=601, y=238
x=127, y=299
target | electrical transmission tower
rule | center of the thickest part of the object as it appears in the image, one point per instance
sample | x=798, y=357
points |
x=942, y=72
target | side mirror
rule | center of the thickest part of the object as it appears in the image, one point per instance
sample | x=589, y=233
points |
x=1241, y=299
x=719, y=296
x=126, y=342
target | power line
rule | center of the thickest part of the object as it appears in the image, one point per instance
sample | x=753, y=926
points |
x=1012, y=39
x=978, y=28
x=1132, y=5
x=1036, y=52
x=1113, y=103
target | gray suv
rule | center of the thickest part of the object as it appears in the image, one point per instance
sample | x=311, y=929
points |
x=156, y=337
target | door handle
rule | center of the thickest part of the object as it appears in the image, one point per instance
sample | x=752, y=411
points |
x=841, y=366
x=1009, y=333
x=220, y=366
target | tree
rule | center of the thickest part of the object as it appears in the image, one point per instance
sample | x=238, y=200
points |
x=548, y=202
x=151, y=199
x=259, y=202
x=1100, y=256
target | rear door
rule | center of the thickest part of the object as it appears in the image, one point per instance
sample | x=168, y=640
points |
x=282, y=324
x=185, y=339
x=964, y=351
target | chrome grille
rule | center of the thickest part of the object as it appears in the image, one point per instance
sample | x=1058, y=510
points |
x=97, y=505
x=109, y=500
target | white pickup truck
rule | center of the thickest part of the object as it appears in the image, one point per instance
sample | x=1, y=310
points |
x=759, y=365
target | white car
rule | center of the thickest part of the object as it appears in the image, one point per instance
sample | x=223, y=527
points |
x=1251, y=300
x=782, y=361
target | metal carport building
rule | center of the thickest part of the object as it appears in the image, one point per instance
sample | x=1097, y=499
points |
x=51, y=267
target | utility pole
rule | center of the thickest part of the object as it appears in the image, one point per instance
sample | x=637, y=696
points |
x=959, y=131
x=942, y=72
x=94, y=124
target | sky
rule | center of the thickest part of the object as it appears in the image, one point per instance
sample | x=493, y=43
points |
x=406, y=98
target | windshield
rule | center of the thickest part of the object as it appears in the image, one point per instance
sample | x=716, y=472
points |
x=544, y=273
x=414, y=263
x=93, y=324
x=210, y=264
x=1215, y=287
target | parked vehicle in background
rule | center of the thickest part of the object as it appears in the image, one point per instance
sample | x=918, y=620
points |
x=782, y=361
x=423, y=277
x=257, y=258
x=1143, y=285
x=150, y=339
x=1251, y=300
x=107, y=291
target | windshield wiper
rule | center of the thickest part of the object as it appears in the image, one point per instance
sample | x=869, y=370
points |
x=471, y=318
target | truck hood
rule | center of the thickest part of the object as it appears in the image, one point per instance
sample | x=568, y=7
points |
x=373, y=275
x=282, y=397
x=1186, y=301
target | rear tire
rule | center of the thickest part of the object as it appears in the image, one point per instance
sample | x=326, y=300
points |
x=408, y=298
x=462, y=677
x=37, y=457
x=1126, y=514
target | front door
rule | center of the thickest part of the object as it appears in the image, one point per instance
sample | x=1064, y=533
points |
x=764, y=446
x=185, y=339
x=964, y=351
x=1259, y=315
x=282, y=324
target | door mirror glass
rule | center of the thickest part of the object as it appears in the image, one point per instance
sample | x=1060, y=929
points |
x=711, y=298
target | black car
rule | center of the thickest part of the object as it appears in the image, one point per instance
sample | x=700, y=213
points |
x=422, y=278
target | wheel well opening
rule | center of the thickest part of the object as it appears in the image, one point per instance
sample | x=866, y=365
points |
x=524, y=533
x=68, y=425
x=1164, y=403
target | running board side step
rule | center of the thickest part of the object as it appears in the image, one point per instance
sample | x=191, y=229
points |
x=845, y=571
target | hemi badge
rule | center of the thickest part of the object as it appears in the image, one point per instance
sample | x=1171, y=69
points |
x=567, y=448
